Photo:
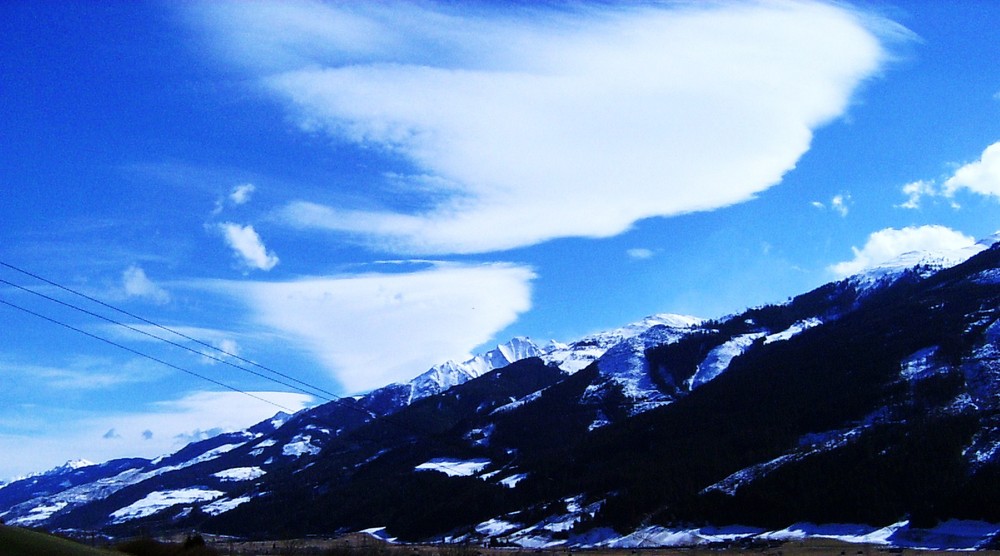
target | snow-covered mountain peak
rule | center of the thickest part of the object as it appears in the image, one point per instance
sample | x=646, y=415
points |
x=450, y=373
x=926, y=262
x=578, y=355
x=77, y=464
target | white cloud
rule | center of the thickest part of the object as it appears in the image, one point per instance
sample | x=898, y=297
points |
x=981, y=176
x=840, y=204
x=374, y=329
x=248, y=246
x=240, y=194
x=916, y=191
x=640, y=253
x=135, y=283
x=82, y=373
x=165, y=427
x=885, y=245
x=574, y=122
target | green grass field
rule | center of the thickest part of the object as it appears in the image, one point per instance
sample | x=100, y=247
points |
x=15, y=541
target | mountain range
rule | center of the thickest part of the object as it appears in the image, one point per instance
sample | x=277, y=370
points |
x=867, y=409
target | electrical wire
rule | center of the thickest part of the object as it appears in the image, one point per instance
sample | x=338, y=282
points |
x=333, y=398
x=331, y=395
x=142, y=354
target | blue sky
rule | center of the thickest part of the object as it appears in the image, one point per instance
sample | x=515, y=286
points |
x=350, y=193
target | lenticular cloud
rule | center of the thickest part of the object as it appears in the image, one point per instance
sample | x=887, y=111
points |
x=554, y=123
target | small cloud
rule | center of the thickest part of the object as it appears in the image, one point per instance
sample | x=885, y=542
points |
x=240, y=194
x=840, y=203
x=111, y=435
x=640, y=253
x=981, y=176
x=224, y=349
x=147, y=434
x=884, y=245
x=915, y=191
x=248, y=246
x=136, y=284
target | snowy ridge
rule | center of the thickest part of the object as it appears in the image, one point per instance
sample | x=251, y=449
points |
x=578, y=355
x=446, y=375
x=927, y=263
x=625, y=362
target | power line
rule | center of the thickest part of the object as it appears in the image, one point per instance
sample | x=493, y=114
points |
x=144, y=355
x=333, y=398
x=160, y=338
x=331, y=395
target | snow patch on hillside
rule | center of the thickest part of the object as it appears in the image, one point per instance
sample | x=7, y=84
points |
x=223, y=505
x=718, y=360
x=300, y=445
x=793, y=330
x=240, y=474
x=162, y=499
x=454, y=467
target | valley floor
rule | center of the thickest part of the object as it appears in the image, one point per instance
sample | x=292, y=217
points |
x=363, y=545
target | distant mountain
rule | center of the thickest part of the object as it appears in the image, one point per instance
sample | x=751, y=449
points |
x=869, y=406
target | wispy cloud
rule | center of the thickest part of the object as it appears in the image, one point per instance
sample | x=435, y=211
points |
x=248, y=246
x=840, y=203
x=551, y=123
x=885, y=245
x=374, y=329
x=80, y=374
x=640, y=253
x=136, y=284
x=240, y=195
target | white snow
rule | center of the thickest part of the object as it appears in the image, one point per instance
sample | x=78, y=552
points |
x=160, y=500
x=600, y=421
x=240, y=474
x=104, y=487
x=495, y=527
x=211, y=454
x=517, y=403
x=454, y=467
x=78, y=464
x=511, y=482
x=919, y=365
x=846, y=532
x=442, y=377
x=718, y=360
x=300, y=445
x=223, y=505
x=793, y=330
x=578, y=355
x=39, y=513
x=378, y=533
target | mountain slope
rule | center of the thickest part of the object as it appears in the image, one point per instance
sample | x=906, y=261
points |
x=864, y=401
